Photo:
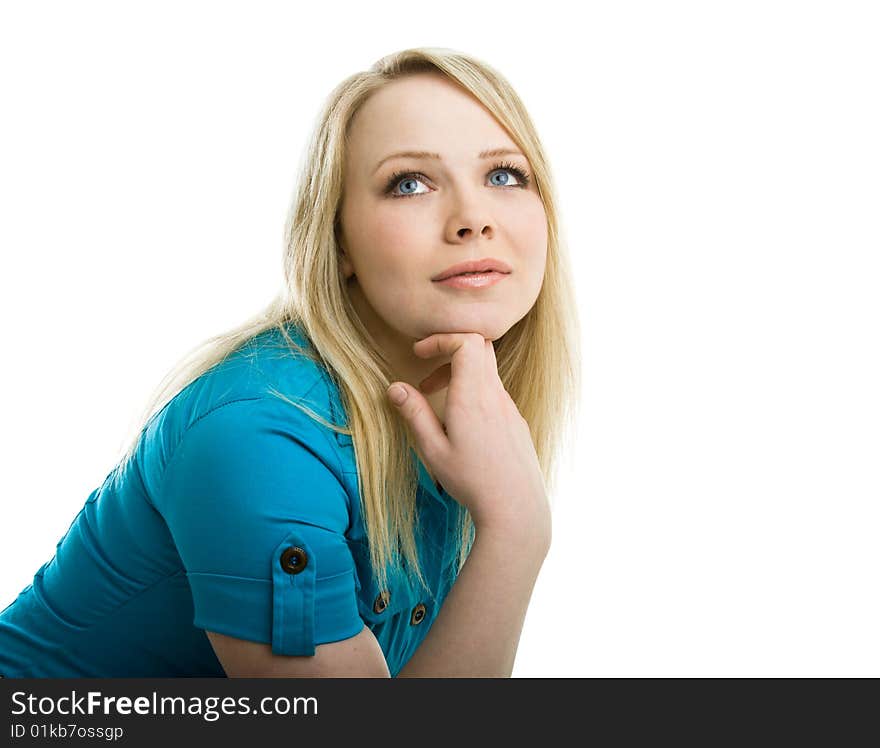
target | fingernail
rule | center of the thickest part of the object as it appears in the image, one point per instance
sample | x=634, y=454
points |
x=397, y=394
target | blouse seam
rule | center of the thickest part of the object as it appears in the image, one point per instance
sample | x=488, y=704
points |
x=323, y=431
x=347, y=572
x=134, y=596
x=333, y=415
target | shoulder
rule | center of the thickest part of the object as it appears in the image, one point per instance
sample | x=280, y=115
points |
x=247, y=462
x=268, y=364
x=266, y=385
x=266, y=367
x=257, y=396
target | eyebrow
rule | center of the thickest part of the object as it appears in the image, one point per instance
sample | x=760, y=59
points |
x=488, y=153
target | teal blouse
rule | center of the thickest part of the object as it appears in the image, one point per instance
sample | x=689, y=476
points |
x=239, y=514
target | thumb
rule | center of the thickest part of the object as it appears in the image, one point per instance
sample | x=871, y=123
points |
x=418, y=413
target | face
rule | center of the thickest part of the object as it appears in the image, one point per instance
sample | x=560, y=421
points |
x=397, y=233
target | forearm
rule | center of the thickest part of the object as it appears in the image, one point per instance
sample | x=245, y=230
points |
x=477, y=631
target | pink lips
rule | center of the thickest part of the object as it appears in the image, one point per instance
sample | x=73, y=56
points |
x=484, y=265
x=478, y=280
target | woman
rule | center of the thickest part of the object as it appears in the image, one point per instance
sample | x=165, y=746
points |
x=281, y=514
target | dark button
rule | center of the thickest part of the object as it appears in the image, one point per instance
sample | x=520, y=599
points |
x=294, y=559
x=418, y=614
x=382, y=601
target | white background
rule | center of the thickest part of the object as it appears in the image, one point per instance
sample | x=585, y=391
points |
x=718, y=169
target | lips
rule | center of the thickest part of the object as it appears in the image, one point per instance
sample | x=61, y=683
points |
x=473, y=282
x=487, y=264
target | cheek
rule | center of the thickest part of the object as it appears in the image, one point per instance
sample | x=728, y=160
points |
x=389, y=266
x=530, y=236
x=377, y=238
x=392, y=246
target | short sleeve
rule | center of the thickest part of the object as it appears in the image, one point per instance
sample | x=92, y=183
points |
x=258, y=518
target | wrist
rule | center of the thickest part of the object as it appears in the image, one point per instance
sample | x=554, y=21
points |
x=530, y=538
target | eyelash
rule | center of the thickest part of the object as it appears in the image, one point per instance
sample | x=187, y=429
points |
x=398, y=176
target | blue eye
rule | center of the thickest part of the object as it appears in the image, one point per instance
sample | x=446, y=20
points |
x=414, y=177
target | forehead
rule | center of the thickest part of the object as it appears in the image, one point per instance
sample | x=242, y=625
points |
x=422, y=112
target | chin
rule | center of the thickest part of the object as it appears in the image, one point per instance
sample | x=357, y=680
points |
x=489, y=330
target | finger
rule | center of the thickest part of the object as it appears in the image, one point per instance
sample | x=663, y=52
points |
x=467, y=357
x=491, y=363
x=443, y=343
x=492, y=353
x=437, y=380
x=418, y=414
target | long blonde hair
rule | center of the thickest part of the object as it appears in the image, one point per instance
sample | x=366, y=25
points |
x=538, y=358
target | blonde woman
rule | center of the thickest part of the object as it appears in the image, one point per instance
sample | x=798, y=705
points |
x=280, y=513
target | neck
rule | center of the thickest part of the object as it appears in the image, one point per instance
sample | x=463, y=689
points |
x=397, y=348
